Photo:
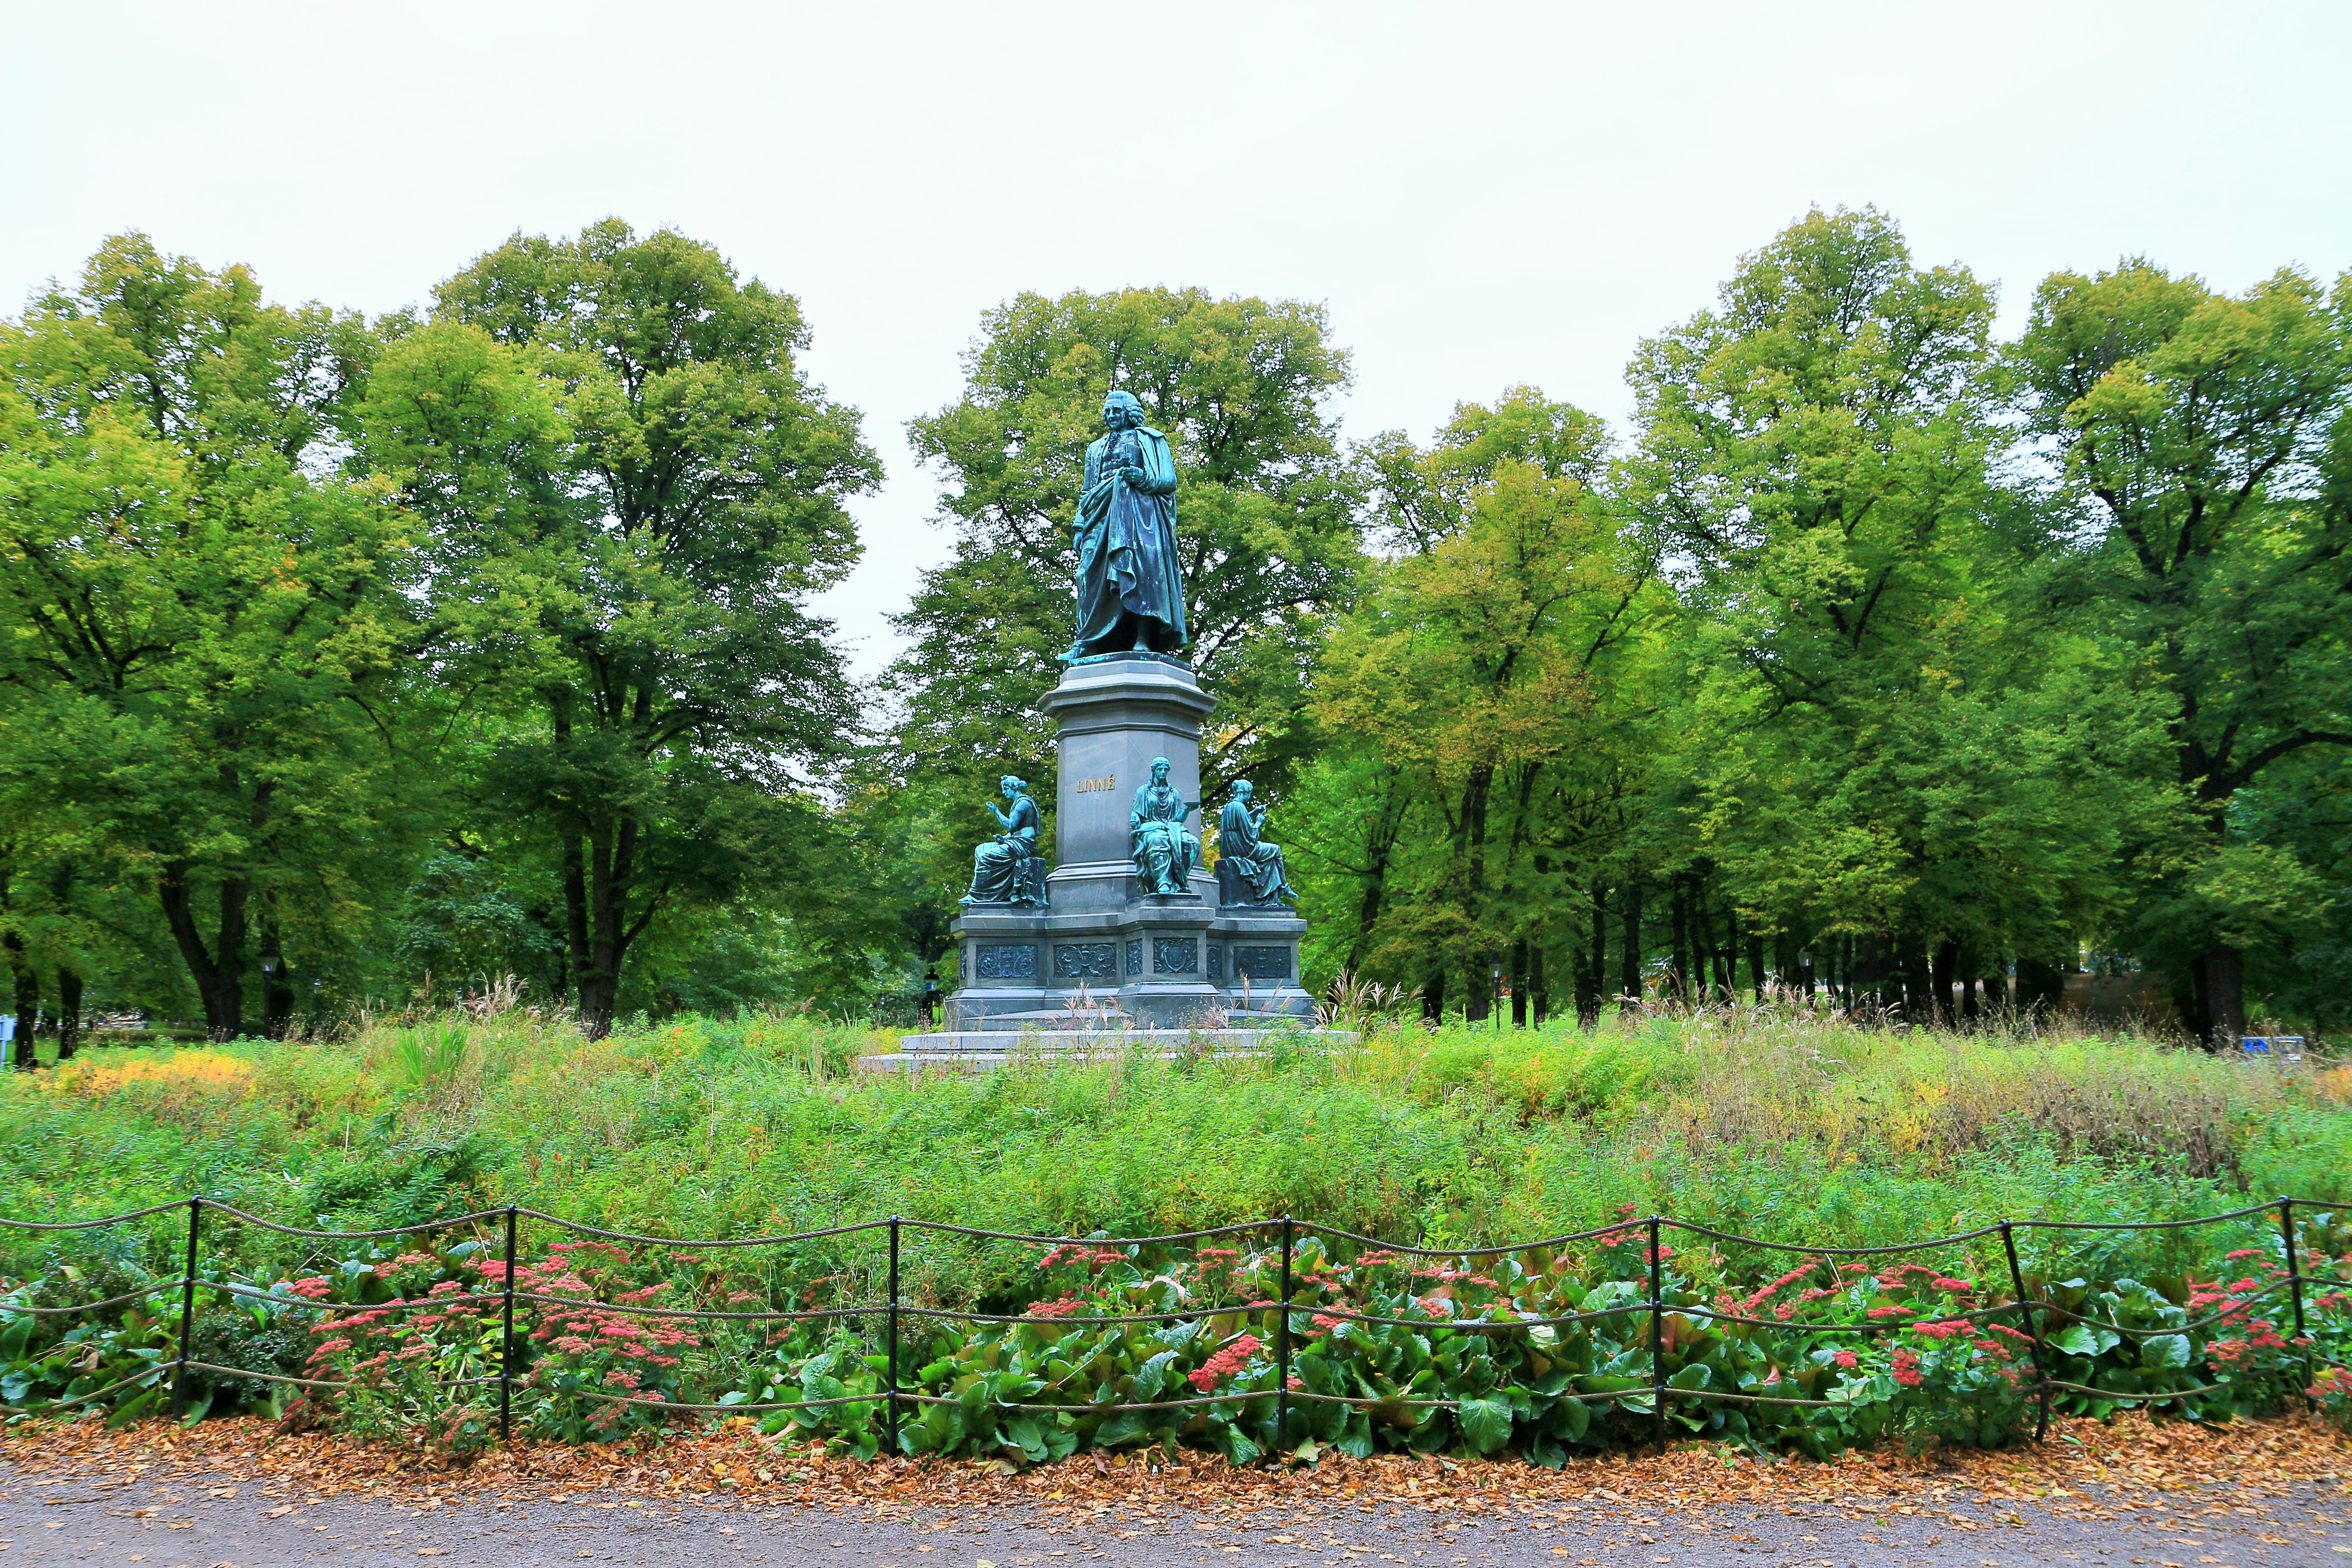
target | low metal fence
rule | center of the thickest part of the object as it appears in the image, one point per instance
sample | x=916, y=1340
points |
x=2032, y=1317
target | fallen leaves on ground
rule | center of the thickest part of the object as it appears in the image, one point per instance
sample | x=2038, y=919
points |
x=2087, y=1468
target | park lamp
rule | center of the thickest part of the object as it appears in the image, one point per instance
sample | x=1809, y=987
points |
x=1497, y=973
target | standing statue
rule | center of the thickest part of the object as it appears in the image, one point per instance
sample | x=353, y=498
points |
x=1007, y=869
x=1130, y=587
x=1164, y=853
x=1249, y=869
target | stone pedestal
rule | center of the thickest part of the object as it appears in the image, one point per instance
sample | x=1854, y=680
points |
x=1103, y=955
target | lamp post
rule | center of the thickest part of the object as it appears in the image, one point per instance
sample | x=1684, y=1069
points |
x=1497, y=977
x=930, y=1001
x=275, y=1005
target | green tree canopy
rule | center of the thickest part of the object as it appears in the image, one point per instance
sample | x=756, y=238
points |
x=204, y=608
x=2205, y=467
x=634, y=491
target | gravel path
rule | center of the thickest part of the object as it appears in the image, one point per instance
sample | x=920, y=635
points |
x=59, y=1518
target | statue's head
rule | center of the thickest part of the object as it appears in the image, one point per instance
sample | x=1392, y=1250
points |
x=1122, y=411
x=1242, y=789
x=1160, y=770
x=1011, y=786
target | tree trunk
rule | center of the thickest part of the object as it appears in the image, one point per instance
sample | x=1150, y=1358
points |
x=1432, y=996
x=277, y=985
x=1756, y=964
x=2041, y=987
x=1679, y=917
x=1943, y=973
x=1726, y=957
x=1629, y=961
x=28, y=1001
x=1539, y=988
x=1865, y=972
x=1918, y=981
x=1706, y=963
x=1470, y=856
x=1519, y=983
x=2224, y=973
x=219, y=974
x=1588, y=1003
x=1376, y=872
x=594, y=985
x=1971, y=1000
x=1727, y=962
x=69, y=1013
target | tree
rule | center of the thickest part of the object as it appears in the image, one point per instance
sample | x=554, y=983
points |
x=1474, y=698
x=634, y=489
x=1879, y=740
x=203, y=609
x=2205, y=457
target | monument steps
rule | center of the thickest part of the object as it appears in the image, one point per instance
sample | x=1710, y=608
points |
x=982, y=1050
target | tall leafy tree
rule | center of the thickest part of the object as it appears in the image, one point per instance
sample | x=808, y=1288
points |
x=2206, y=459
x=1878, y=744
x=200, y=610
x=634, y=489
x=1474, y=698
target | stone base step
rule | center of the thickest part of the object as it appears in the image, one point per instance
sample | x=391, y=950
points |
x=1111, y=1021
x=981, y=1050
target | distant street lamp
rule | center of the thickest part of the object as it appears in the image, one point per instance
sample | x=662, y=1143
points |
x=1498, y=997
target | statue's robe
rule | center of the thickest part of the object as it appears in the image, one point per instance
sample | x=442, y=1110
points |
x=1249, y=869
x=1164, y=853
x=1130, y=588
x=1007, y=869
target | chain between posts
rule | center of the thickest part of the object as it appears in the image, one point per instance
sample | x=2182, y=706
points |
x=505, y=1336
x=1657, y=1334
x=187, y=1311
x=2294, y=1290
x=2033, y=1317
x=890, y=1402
x=1282, y=1346
x=2026, y=1318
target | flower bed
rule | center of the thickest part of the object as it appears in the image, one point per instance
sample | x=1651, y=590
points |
x=1543, y=1350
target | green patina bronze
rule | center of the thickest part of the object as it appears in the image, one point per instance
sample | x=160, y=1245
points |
x=1164, y=853
x=1007, y=869
x=1249, y=869
x=1131, y=589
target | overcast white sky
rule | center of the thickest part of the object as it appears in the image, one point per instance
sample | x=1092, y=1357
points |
x=1482, y=194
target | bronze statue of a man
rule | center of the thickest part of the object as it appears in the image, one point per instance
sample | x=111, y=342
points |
x=1249, y=869
x=1130, y=588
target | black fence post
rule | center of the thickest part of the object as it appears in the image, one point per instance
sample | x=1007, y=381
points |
x=2032, y=1330
x=1282, y=1346
x=890, y=1404
x=2295, y=1291
x=506, y=1338
x=1657, y=1336
x=187, y=1311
